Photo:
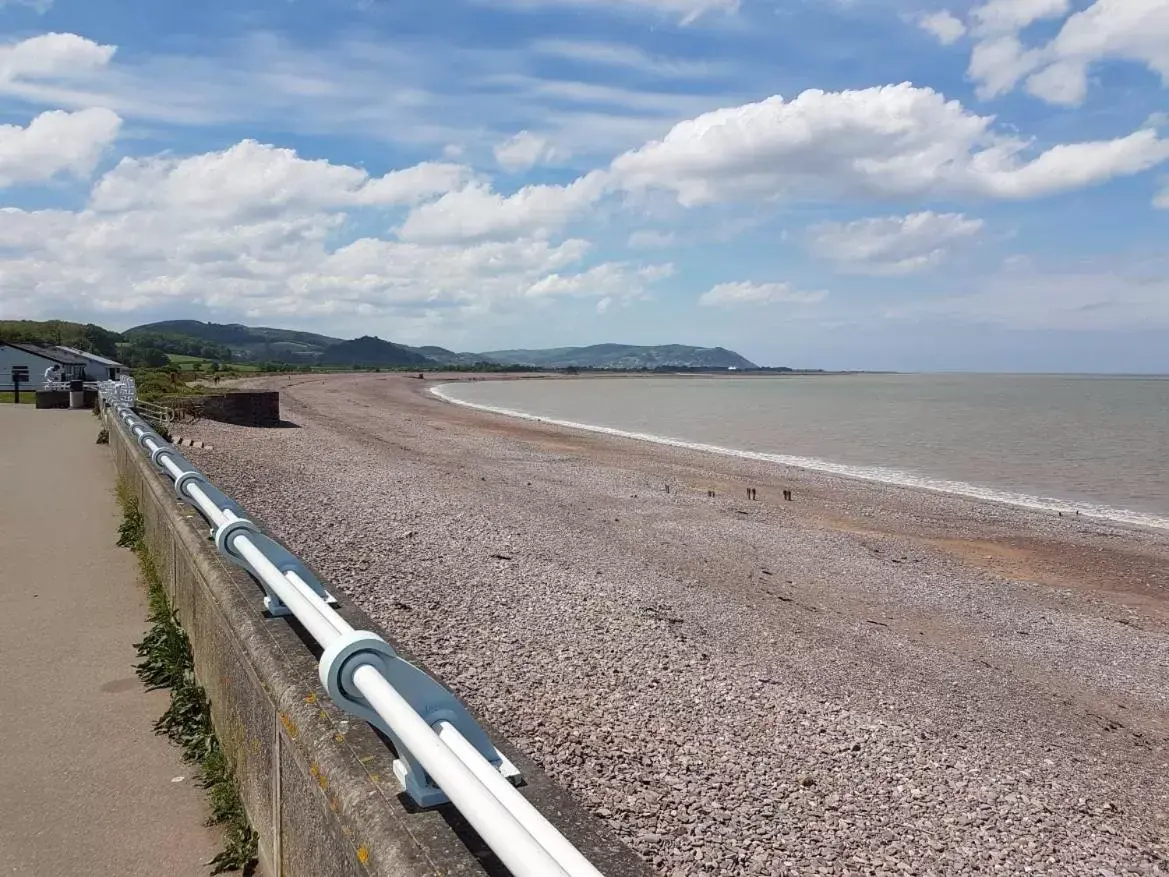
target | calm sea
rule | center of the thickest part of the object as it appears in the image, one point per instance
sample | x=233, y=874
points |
x=1099, y=444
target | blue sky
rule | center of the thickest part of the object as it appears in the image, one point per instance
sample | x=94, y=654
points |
x=841, y=183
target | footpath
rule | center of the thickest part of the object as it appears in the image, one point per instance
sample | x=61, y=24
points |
x=86, y=787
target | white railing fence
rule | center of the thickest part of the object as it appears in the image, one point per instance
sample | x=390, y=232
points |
x=123, y=391
x=443, y=754
x=67, y=385
x=158, y=414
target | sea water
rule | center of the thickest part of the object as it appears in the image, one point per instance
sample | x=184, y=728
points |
x=1094, y=444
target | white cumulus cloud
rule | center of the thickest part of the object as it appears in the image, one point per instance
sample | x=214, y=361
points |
x=1056, y=71
x=253, y=177
x=892, y=141
x=413, y=184
x=891, y=245
x=526, y=150
x=945, y=27
x=95, y=262
x=255, y=231
x=998, y=63
x=55, y=143
x=55, y=69
x=52, y=55
x=608, y=281
x=1001, y=16
x=477, y=212
x=747, y=293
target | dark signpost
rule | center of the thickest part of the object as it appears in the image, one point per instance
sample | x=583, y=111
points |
x=19, y=375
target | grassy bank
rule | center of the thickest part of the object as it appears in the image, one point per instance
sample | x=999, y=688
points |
x=27, y=397
x=167, y=662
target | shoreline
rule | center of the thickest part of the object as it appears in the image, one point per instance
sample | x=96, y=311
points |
x=865, y=677
x=874, y=474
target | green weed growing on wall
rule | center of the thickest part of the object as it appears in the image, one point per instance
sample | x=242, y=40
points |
x=167, y=662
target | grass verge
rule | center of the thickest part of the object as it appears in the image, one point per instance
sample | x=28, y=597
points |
x=27, y=397
x=167, y=662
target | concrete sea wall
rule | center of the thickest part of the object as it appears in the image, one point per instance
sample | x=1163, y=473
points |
x=318, y=787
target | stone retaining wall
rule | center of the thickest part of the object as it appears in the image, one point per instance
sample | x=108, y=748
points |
x=241, y=407
x=318, y=787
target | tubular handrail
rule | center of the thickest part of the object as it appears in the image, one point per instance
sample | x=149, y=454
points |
x=124, y=391
x=67, y=385
x=443, y=754
x=155, y=412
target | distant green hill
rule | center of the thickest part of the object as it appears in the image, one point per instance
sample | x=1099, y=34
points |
x=448, y=357
x=83, y=336
x=264, y=344
x=179, y=344
x=624, y=356
x=372, y=351
x=245, y=342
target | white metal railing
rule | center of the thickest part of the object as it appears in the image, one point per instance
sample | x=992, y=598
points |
x=66, y=385
x=123, y=391
x=155, y=413
x=443, y=754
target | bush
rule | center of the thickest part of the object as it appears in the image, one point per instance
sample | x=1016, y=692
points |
x=155, y=383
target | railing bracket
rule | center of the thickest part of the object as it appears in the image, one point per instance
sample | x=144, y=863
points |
x=428, y=698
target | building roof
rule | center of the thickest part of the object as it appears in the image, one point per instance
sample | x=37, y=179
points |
x=53, y=354
x=93, y=357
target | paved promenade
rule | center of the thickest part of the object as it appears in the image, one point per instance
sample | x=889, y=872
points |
x=86, y=786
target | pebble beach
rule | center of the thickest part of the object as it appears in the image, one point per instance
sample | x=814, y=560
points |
x=866, y=679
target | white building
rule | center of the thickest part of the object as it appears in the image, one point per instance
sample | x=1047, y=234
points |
x=30, y=362
x=98, y=368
